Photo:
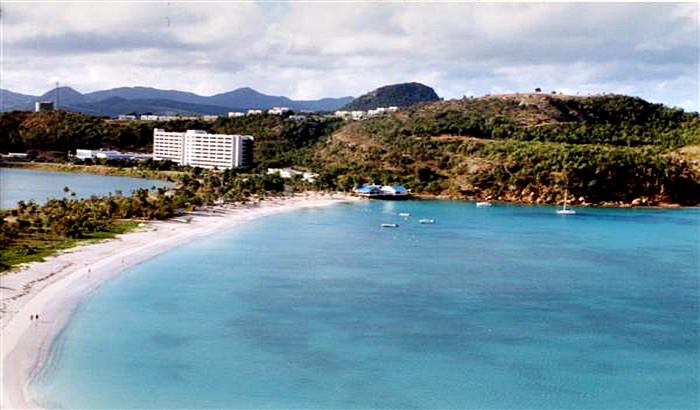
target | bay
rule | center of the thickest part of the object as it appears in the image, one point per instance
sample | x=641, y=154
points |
x=503, y=307
x=39, y=186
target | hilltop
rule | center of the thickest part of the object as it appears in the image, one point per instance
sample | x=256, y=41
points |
x=398, y=95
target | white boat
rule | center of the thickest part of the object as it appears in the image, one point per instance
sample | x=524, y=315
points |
x=483, y=204
x=426, y=221
x=390, y=225
x=564, y=210
x=404, y=214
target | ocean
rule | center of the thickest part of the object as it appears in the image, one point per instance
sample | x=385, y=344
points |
x=39, y=186
x=508, y=307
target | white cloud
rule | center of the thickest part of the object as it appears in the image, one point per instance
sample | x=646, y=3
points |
x=314, y=50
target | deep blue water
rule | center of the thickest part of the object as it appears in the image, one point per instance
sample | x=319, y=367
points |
x=503, y=307
x=39, y=186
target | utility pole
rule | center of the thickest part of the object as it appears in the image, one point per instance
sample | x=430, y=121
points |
x=57, y=100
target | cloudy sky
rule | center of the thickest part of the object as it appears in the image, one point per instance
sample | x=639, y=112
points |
x=308, y=50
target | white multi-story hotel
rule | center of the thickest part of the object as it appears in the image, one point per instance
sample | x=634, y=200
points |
x=199, y=149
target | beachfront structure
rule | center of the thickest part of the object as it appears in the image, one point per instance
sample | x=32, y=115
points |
x=197, y=148
x=109, y=154
x=382, y=191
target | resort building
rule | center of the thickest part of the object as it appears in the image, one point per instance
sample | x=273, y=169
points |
x=199, y=149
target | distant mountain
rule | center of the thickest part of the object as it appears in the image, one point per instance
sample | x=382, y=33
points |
x=115, y=106
x=145, y=93
x=248, y=97
x=66, y=96
x=8, y=100
x=124, y=100
x=399, y=95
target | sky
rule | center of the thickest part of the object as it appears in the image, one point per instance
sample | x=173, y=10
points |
x=310, y=50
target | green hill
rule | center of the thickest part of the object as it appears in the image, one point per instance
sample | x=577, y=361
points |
x=398, y=95
x=528, y=148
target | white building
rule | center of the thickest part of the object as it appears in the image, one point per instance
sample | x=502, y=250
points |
x=234, y=114
x=290, y=173
x=278, y=110
x=108, y=154
x=43, y=106
x=199, y=149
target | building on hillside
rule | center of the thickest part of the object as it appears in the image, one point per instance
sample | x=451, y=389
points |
x=234, y=114
x=43, y=106
x=197, y=148
x=278, y=110
x=291, y=173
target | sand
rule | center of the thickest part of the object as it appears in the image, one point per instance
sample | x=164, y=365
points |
x=53, y=288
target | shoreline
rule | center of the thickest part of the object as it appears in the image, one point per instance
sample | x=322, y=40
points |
x=167, y=176
x=54, y=288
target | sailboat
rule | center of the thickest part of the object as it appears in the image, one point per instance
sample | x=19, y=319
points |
x=564, y=210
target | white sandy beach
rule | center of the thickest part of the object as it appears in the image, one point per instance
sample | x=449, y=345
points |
x=53, y=288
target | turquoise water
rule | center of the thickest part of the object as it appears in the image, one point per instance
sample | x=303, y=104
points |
x=503, y=307
x=39, y=186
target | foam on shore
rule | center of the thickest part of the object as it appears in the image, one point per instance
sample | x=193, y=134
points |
x=53, y=289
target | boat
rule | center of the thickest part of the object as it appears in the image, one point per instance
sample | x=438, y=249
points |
x=426, y=221
x=390, y=225
x=564, y=210
x=405, y=214
x=483, y=204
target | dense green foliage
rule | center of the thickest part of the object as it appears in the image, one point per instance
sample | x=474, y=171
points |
x=279, y=141
x=610, y=120
x=528, y=148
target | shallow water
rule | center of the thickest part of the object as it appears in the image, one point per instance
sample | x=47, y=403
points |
x=502, y=307
x=39, y=186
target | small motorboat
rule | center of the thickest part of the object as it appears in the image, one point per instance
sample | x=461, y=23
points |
x=404, y=214
x=483, y=204
x=426, y=221
x=390, y=225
